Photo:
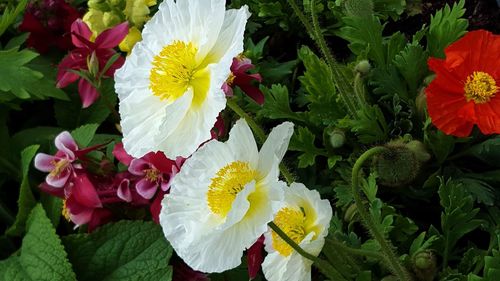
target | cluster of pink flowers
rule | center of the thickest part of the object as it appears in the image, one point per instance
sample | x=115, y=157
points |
x=89, y=186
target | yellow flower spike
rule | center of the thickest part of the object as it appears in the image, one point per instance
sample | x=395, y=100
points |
x=94, y=19
x=133, y=36
x=137, y=12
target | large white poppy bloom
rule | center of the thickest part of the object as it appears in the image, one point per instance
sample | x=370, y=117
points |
x=305, y=218
x=170, y=85
x=223, y=198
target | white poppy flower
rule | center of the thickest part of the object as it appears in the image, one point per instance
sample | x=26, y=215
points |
x=170, y=85
x=223, y=197
x=305, y=218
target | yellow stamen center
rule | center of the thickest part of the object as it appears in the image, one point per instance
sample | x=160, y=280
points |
x=176, y=70
x=292, y=222
x=152, y=174
x=226, y=185
x=59, y=166
x=480, y=87
x=230, y=79
x=65, y=211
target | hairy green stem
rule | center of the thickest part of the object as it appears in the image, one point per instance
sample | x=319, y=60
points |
x=328, y=270
x=259, y=133
x=387, y=249
x=353, y=251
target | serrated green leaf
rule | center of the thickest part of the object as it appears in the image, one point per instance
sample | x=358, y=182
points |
x=440, y=144
x=42, y=257
x=15, y=75
x=487, y=151
x=10, y=15
x=412, y=64
x=127, y=250
x=277, y=105
x=389, y=8
x=26, y=199
x=364, y=33
x=370, y=125
x=446, y=26
x=321, y=92
x=83, y=135
x=303, y=140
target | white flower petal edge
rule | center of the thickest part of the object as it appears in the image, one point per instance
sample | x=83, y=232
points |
x=177, y=122
x=210, y=229
x=294, y=267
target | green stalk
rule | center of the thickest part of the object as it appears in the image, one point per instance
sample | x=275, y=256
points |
x=386, y=247
x=328, y=270
x=356, y=252
x=259, y=133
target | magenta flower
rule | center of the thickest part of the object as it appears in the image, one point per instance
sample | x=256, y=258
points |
x=90, y=58
x=155, y=170
x=82, y=199
x=239, y=77
x=59, y=166
x=255, y=257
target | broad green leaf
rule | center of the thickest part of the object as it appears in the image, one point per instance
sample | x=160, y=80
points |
x=487, y=151
x=42, y=257
x=15, y=75
x=445, y=28
x=26, y=199
x=43, y=136
x=126, y=250
x=83, y=135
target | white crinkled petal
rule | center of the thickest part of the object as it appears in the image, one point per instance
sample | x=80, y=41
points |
x=274, y=148
x=242, y=143
x=292, y=268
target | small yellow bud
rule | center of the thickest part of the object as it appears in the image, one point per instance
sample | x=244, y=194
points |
x=133, y=36
x=136, y=12
x=94, y=19
x=110, y=19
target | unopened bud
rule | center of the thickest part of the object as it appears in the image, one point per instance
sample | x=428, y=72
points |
x=93, y=65
x=363, y=67
x=100, y=5
x=421, y=103
x=425, y=265
x=110, y=19
x=337, y=138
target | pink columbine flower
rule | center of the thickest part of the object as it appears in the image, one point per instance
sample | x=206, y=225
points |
x=90, y=57
x=59, y=166
x=239, y=77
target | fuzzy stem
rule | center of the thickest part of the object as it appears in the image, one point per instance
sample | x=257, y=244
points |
x=260, y=134
x=322, y=265
x=356, y=252
x=386, y=247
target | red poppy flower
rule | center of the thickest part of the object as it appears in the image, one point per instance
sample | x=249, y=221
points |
x=465, y=91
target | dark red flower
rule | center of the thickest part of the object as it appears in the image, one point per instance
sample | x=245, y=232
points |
x=91, y=58
x=465, y=91
x=239, y=77
x=49, y=22
x=255, y=257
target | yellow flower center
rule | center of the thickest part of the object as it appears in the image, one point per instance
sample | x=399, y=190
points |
x=65, y=211
x=152, y=174
x=59, y=166
x=175, y=70
x=480, y=87
x=297, y=223
x=226, y=185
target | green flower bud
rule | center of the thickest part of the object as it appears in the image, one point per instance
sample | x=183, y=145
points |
x=137, y=12
x=363, y=67
x=421, y=103
x=100, y=5
x=337, y=138
x=117, y=3
x=390, y=278
x=94, y=19
x=93, y=65
x=425, y=265
x=350, y=213
x=400, y=163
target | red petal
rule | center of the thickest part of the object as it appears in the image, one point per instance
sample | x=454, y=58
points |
x=122, y=156
x=88, y=94
x=155, y=207
x=255, y=257
x=110, y=38
x=80, y=34
x=84, y=192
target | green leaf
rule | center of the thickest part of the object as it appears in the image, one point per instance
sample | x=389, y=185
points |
x=480, y=191
x=440, y=144
x=83, y=135
x=126, y=250
x=15, y=75
x=303, y=140
x=321, y=92
x=364, y=33
x=389, y=8
x=445, y=28
x=458, y=217
x=370, y=125
x=26, y=199
x=412, y=64
x=10, y=15
x=487, y=151
x=42, y=257
x=277, y=105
